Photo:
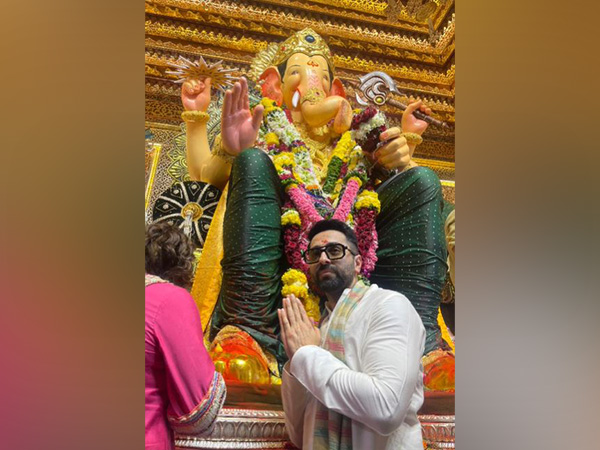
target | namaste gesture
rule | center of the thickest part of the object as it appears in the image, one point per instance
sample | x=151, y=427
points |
x=297, y=330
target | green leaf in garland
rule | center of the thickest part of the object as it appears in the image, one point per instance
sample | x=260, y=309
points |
x=333, y=173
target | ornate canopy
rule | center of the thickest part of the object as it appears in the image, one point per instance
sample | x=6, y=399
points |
x=410, y=40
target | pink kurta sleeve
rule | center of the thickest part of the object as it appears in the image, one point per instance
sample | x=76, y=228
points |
x=196, y=392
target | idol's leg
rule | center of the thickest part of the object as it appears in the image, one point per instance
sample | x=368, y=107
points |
x=253, y=256
x=412, y=246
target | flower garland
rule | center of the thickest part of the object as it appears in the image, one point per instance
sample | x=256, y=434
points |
x=369, y=205
x=295, y=282
x=340, y=198
x=338, y=158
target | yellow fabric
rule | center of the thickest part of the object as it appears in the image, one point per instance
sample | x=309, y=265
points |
x=450, y=227
x=207, y=278
x=445, y=332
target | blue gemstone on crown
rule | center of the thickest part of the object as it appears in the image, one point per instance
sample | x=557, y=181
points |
x=309, y=38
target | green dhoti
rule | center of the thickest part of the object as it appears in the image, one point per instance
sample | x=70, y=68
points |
x=411, y=257
x=253, y=256
x=411, y=254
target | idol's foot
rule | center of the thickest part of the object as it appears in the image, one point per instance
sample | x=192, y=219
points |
x=239, y=358
x=438, y=370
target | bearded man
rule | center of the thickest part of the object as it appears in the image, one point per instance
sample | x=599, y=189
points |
x=357, y=380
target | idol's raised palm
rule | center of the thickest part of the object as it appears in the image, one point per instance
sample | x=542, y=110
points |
x=239, y=127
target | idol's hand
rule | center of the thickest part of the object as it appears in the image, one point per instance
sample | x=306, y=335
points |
x=239, y=127
x=195, y=94
x=297, y=330
x=410, y=124
x=395, y=154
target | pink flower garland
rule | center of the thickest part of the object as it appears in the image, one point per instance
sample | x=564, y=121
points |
x=304, y=204
x=294, y=245
x=366, y=233
x=343, y=209
x=295, y=236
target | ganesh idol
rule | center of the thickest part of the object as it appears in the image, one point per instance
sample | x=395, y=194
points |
x=301, y=154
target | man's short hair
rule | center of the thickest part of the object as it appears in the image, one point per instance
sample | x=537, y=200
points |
x=336, y=225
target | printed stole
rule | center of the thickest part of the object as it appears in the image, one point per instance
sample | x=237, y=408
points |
x=333, y=431
x=152, y=279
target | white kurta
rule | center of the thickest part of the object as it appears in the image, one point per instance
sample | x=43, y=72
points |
x=380, y=388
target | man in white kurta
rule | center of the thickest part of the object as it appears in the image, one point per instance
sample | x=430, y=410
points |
x=379, y=387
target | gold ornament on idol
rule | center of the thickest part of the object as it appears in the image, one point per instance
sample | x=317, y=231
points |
x=195, y=116
x=320, y=150
x=412, y=138
x=193, y=209
x=313, y=96
x=218, y=150
x=305, y=41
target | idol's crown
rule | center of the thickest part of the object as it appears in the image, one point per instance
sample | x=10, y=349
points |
x=306, y=41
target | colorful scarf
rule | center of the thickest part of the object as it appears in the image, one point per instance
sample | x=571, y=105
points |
x=152, y=279
x=333, y=431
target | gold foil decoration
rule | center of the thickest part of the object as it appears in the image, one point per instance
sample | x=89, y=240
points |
x=153, y=153
x=262, y=60
x=221, y=78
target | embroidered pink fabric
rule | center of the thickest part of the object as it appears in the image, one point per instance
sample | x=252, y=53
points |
x=179, y=371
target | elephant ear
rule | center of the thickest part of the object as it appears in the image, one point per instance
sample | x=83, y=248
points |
x=337, y=88
x=271, y=85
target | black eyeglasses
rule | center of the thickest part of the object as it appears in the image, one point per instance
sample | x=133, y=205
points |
x=333, y=251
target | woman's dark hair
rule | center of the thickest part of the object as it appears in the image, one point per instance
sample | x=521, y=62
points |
x=169, y=254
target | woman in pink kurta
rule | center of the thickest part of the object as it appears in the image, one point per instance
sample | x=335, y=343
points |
x=184, y=393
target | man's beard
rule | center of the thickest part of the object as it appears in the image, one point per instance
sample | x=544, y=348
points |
x=337, y=281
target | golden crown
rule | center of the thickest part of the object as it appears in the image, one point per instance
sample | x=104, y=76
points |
x=305, y=41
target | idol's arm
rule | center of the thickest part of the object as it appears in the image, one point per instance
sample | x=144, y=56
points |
x=202, y=164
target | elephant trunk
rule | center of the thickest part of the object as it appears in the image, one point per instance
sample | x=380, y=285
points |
x=318, y=108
